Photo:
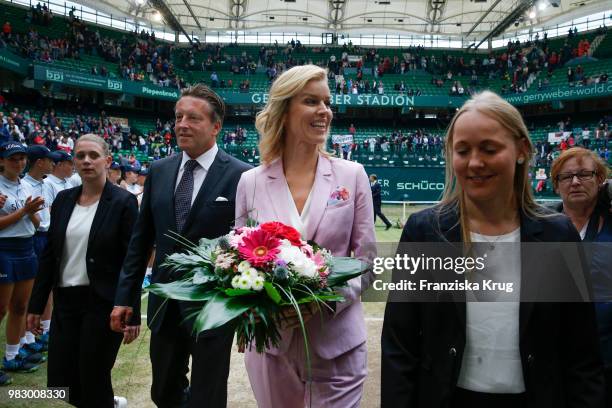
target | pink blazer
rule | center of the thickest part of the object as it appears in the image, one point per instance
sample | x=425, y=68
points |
x=346, y=228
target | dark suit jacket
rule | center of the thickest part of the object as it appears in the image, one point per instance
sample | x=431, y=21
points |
x=376, y=198
x=207, y=219
x=423, y=343
x=109, y=237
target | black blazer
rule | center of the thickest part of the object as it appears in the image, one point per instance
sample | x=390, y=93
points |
x=376, y=196
x=207, y=218
x=109, y=237
x=423, y=343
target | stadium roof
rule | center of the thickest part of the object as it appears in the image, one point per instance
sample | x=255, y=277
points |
x=473, y=19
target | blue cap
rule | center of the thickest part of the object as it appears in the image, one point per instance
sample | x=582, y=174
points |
x=143, y=172
x=36, y=152
x=60, y=156
x=115, y=166
x=11, y=148
x=130, y=168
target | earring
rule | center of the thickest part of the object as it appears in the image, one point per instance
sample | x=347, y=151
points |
x=520, y=160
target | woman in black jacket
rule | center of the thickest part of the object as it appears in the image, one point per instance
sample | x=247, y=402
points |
x=534, y=348
x=89, y=234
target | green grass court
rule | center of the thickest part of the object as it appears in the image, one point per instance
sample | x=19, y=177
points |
x=132, y=371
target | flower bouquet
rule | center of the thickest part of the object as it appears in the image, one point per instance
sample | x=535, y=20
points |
x=251, y=275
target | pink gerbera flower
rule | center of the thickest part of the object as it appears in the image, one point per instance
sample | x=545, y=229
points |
x=259, y=247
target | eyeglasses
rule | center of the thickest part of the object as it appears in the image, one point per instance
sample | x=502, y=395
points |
x=583, y=175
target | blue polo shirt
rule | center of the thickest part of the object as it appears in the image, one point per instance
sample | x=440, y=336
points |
x=17, y=193
x=53, y=185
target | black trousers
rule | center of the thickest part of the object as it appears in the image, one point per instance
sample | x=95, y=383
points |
x=378, y=211
x=608, y=379
x=170, y=349
x=470, y=399
x=82, y=347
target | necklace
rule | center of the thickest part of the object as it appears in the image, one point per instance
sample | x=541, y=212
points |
x=491, y=244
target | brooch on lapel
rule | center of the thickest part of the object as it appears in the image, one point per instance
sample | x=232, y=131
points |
x=339, y=195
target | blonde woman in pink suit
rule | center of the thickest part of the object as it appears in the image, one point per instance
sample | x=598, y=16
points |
x=329, y=201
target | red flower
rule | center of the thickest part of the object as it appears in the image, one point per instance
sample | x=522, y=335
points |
x=259, y=247
x=282, y=231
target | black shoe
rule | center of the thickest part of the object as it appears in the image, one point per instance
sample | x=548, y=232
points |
x=5, y=379
x=387, y=227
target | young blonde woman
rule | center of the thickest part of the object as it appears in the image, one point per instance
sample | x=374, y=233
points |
x=329, y=201
x=492, y=354
x=90, y=229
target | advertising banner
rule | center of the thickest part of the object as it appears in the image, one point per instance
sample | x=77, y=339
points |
x=409, y=184
x=12, y=62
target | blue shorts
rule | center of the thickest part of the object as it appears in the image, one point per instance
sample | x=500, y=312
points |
x=18, y=261
x=40, y=242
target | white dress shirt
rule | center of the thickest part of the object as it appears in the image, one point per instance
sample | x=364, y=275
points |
x=199, y=173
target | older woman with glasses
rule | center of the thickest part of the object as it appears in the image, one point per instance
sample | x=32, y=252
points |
x=578, y=176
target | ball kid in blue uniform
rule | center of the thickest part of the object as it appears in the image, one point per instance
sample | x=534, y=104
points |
x=18, y=263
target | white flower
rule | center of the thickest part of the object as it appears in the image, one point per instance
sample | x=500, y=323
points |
x=250, y=273
x=244, y=282
x=306, y=267
x=258, y=283
x=244, y=266
x=285, y=243
x=236, y=281
x=300, y=263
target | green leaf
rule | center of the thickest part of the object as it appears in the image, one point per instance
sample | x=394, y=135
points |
x=220, y=310
x=272, y=292
x=185, y=260
x=206, y=247
x=182, y=290
x=203, y=275
x=344, y=269
x=239, y=292
x=212, y=243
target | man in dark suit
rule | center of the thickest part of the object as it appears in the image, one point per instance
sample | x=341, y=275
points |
x=193, y=194
x=375, y=186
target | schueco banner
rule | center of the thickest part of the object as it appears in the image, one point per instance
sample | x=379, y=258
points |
x=409, y=184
